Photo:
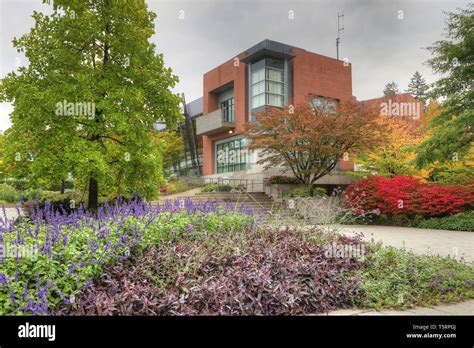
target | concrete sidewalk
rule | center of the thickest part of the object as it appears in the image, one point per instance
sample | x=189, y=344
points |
x=461, y=308
x=455, y=244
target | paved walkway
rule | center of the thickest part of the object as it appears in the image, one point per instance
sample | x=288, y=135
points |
x=461, y=308
x=421, y=241
x=436, y=242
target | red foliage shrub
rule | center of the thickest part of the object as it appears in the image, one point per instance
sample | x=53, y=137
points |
x=404, y=194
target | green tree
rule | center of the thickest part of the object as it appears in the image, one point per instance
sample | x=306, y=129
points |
x=452, y=129
x=390, y=89
x=418, y=87
x=2, y=155
x=172, y=147
x=89, y=97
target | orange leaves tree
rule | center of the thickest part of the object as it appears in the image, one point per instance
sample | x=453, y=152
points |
x=309, y=140
x=394, y=155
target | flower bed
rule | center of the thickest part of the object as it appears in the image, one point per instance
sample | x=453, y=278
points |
x=67, y=251
x=267, y=271
x=245, y=272
x=184, y=258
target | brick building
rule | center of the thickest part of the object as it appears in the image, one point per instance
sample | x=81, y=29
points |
x=267, y=74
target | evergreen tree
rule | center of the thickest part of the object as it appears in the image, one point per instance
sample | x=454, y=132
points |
x=418, y=87
x=452, y=130
x=390, y=89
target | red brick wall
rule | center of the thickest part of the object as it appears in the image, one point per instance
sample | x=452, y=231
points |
x=314, y=74
x=216, y=78
x=399, y=98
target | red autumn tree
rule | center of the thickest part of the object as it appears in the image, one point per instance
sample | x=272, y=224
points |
x=310, y=140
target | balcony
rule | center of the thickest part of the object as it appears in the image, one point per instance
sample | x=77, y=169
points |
x=214, y=122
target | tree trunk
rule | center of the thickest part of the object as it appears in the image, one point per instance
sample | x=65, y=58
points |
x=62, y=187
x=93, y=194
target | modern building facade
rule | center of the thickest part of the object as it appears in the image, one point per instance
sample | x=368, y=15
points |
x=269, y=74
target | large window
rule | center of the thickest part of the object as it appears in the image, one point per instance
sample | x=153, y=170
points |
x=231, y=156
x=227, y=107
x=267, y=83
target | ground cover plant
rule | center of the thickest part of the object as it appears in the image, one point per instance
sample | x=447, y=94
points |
x=259, y=271
x=270, y=271
x=392, y=278
x=56, y=255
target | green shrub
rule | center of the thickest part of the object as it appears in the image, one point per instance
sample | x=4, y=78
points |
x=457, y=222
x=216, y=188
x=8, y=193
x=392, y=278
x=177, y=186
x=281, y=179
x=32, y=194
x=300, y=192
x=320, y=192
x=18, y=184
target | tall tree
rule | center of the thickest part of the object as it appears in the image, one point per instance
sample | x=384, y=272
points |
x=452, y=129
x=310, y=140
x=390, y=89
x=394, y=154
x=88, y=99
x=418, y=87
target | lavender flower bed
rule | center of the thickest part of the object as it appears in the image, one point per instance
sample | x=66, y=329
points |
x=50, y=257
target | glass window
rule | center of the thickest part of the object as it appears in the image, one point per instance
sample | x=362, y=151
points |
x=275, y=63
x=227, y=107
x=258, y=88
x=275, y=87
x=258, y=100
x=274, y=75
x=267, y=85
x=274, y=99
x=232, y=156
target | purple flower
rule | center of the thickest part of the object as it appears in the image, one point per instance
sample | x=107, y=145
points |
x=190, y=228
x=71, y=268
x=12, y=296
x=3, y=278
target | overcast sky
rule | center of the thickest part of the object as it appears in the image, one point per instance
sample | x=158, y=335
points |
x=380, y=46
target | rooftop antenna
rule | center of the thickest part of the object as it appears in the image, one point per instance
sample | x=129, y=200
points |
x=339, y=31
